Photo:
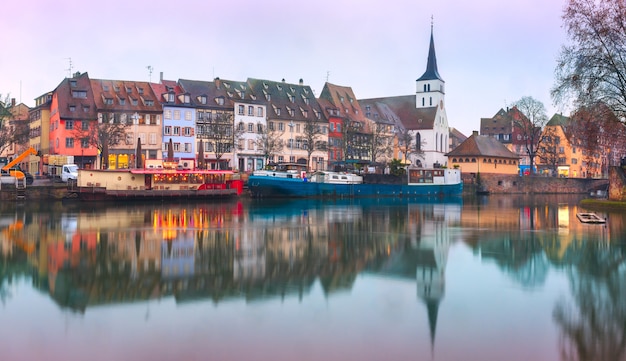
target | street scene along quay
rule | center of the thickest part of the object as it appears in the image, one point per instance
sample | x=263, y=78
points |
x=274, y=181
x=491, y=278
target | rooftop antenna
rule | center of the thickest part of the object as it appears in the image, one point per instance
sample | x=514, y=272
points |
x=327, y=75
x=432, y=22
x=149, y=67
x=69, y=69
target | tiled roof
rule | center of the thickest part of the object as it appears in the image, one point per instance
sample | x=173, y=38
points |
x=482, y=145
x=293, y=101
x=404, y=108
x=342, y=98
x=124, y=96
x=212, y=90
x=75, y=98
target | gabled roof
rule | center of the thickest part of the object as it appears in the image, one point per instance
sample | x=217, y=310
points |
x=212, y=90
x=165, y=87
x=124, y=96
x=559, y=120
x=75, y=98
x=431, y=72
x=342, y=98
x=404, y=109
x=285, y=97
x=482, y=146
x=457, y=134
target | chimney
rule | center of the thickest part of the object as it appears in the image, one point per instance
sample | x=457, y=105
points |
x=301, y=82
x=13, y=102
x=283, y=80
x=475, y=133
x=161, y=77
x=218, y=83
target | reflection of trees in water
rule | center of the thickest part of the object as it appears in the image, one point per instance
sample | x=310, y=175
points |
x=593, y=324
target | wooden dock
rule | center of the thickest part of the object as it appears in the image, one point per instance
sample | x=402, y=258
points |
x=586, y=217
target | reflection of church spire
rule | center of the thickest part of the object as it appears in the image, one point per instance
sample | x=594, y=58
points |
x=433, y=309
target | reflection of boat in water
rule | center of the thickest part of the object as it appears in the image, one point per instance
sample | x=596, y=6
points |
x=157, y=183
x=587, y=217
x=293, y=182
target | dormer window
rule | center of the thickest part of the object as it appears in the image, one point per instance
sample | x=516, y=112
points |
x=108, y=101
x=133, y=101
x=187, y=99
x=219, y=101
x=72, y=108
x=117, y=89
x=203, y=99
x=341, y=99
x=105, y=88
x=122, y=101
x=73, y=83
x=140, y=90
x=149, y=103
x=129, y=89
x=292, y=98
x=170, y=97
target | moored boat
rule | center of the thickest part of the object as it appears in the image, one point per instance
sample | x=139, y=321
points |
x=418, y=182
x=156, y=183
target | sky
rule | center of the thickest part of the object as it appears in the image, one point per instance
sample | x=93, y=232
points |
x=490, y=53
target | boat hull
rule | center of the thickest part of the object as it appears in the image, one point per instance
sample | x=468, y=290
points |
x=261, y=187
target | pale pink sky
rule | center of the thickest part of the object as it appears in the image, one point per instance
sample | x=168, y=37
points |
x=490, y=53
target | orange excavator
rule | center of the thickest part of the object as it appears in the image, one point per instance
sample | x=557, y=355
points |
x=18, y=174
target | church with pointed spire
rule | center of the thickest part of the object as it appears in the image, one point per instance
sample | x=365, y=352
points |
x=422, y=115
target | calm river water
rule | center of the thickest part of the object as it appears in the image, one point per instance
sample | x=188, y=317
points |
x=493, y=278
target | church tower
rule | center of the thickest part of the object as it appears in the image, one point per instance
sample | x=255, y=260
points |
x=430, y=86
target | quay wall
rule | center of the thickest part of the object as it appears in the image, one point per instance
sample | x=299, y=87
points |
x=515, y=184
x=493, y=183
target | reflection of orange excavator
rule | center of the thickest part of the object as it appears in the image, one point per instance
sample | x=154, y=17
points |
x=15, y=232
x=15, y=172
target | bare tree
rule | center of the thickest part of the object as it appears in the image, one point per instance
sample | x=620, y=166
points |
x=354, y=141
x=548, y=151
x=409, y=145
x=222, y=135
x=599, y=135
x=270, y=141
x=381, y=142
x=592, y=67
x=104, y=134
x=530, y=125
x=312, y=139
x=11, y=131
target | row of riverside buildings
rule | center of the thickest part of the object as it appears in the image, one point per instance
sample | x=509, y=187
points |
x=236, y=122
x=184, y=114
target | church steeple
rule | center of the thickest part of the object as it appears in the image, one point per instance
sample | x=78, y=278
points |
x=431, y=72
x=430, y=86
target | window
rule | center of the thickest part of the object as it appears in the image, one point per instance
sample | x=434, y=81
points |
x=122, y=101
x=133, y=101
x=149, y=103
x=108, y=101
x=281, y=126
x=278, y=111
x=72, y=108
x=69, y=142
x=220, y=101
x=240, y=109
x=176, y=130
x=250, y=127
x=187, y=131
x=153, y=138
x=259, y=128
x=250, y=110
x=84, y=125
x=73, y=83
x=271, y=125
x=250, y=144
x=176, y=147
x=79, y=94
x=69, y=124
x=176, y=114
x=84, y=143
x=259, y=111
x=203, y=99
x=240, y=144
x=187, y=114
x=187, y=147
x=339, y=127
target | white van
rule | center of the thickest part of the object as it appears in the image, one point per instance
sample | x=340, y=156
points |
x=69, y=172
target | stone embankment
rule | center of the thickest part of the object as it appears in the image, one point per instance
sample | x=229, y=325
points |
x=514, y=184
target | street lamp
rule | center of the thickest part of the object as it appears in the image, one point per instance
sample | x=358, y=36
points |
x=291, y=125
